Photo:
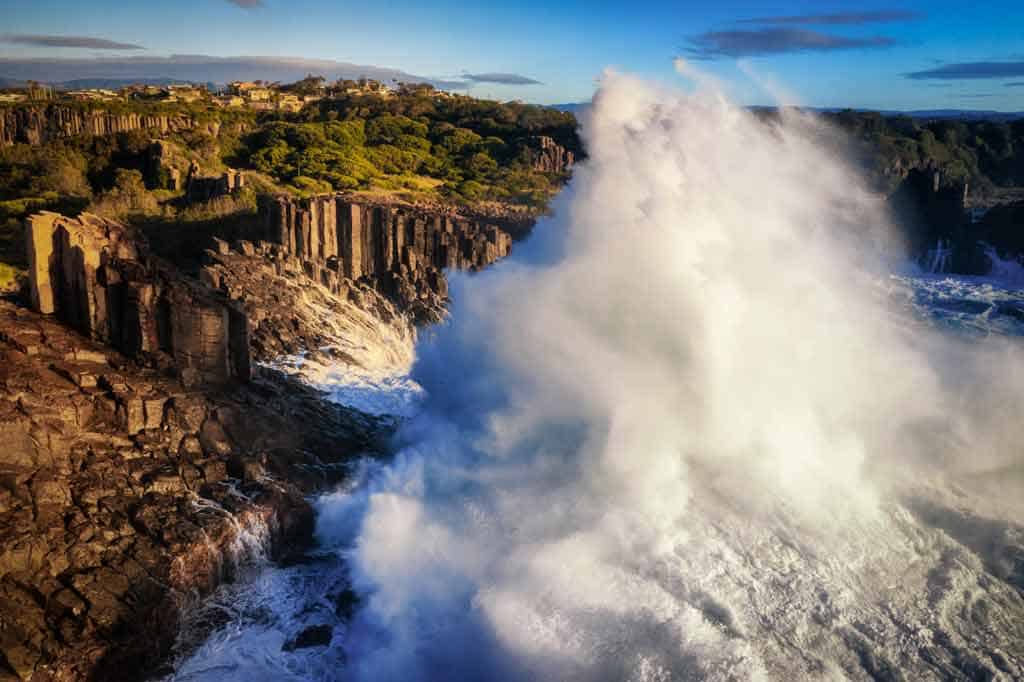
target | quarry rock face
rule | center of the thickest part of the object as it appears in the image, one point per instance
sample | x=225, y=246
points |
x=94, y=275
x=399, y=250
x=40, y=124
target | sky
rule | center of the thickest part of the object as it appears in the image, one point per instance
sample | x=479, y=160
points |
x=911, y=55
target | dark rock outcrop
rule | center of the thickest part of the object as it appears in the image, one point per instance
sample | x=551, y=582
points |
x=313, y=636
x=166, y=166
x=124, y=495
x=95, y=275
x=1003, y=227
x=145, y=450
x=203, y=188
x=547, y=156
x=934, y=216
x=37, y=124
x=294, y=305
x=399, y=250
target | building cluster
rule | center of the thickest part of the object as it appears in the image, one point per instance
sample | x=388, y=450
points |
x=257, y=95
x=33, y=92
x=265, y=97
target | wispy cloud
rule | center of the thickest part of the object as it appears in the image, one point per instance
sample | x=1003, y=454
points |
x=970, y=70
x=501, y=78
x=770, y=41
x=247, y=4
x=66, y=41
x=842, y=18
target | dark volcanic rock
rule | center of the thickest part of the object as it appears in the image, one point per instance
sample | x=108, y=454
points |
x=933, y=214
x=547, y=156
x=398, y=250
x=96, y=275
x=144, y=450
x=116, y=506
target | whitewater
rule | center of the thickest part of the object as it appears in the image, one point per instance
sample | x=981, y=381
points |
x=703, y=424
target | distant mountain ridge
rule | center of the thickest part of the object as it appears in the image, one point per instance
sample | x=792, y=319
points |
x=102, y=83
x=201, y=69
x=923, y=114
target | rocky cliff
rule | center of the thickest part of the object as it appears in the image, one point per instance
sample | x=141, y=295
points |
x=41, y=124
x=147, y=454
x=548, y=156
x=125, y=496
x=934, y=217
x=96, y=276
x=399, y=250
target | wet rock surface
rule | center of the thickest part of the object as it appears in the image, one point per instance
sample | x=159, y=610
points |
x=147, y=454
x=294, y=306
x=398, y=250
x=125, y=496
x=313, y=636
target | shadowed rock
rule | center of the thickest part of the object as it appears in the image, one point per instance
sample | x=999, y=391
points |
x=96, y=276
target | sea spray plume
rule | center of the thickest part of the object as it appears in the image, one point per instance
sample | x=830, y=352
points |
x=653, y=455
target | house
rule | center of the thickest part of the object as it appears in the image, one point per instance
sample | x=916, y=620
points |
x=290, y=103
x=229, y=101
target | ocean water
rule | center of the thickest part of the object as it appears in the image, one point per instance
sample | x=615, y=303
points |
x=971, y=305
x=952, y=555
x=699, y=426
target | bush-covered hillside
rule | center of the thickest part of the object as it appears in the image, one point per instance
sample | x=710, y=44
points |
x=416, y=143
x=987, y=154
x=417, y=140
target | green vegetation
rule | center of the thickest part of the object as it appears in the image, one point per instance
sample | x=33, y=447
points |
x=987, y=154
x=416, y=142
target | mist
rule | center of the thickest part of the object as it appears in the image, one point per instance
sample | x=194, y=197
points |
x=688, y=432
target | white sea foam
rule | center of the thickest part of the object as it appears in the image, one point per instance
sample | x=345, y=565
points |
x=366, y=366
x=689, y=439
x=692, y=430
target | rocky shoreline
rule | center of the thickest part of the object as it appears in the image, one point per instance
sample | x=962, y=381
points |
x=147, y=447
x=123, y=494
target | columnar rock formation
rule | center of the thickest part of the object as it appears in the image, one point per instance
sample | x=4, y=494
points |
x=204, y=188
x=40, y=124
x=933, y=213
x=94, y=274
x=548, y=156
x=116, y=508
x=399, y=250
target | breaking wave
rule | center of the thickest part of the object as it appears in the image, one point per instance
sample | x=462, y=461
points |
x=687, y=432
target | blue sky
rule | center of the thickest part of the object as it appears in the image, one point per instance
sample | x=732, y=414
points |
x=965, y=55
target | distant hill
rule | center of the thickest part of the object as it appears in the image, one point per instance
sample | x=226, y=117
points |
x=960, y=114
x=571, y=107
x=98, y=83
x=920, y=114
